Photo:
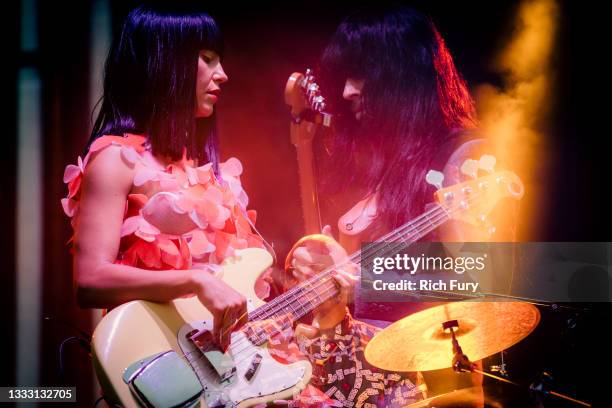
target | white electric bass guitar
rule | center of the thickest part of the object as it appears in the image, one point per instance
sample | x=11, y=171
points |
x=246, y=374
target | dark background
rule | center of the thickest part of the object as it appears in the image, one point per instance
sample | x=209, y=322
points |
x=265, y=43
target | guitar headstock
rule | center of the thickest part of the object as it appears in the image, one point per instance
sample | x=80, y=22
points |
x=303, y=94
x=473, y=200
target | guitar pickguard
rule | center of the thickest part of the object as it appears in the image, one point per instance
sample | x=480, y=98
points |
x=231, y=386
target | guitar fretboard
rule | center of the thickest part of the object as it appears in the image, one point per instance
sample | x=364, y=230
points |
x=308, y=295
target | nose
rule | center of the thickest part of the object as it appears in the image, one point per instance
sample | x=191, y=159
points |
x=220, y=76
x=352, y=89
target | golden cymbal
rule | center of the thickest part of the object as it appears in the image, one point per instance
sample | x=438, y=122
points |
x=419, y=343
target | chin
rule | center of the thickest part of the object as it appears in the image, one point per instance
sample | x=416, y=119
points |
x=205, y=112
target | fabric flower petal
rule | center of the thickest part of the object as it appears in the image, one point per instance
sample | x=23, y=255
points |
x=143, y=254
x=135, y=202
x=214, y=194
x=185, y=254
x=214, y=214
x=184, y=203
x=162, y=212
x=169, y=185
x=232, y=167
x=222, y=243
x=199, y=244
x=142, y=176
x=179, y=175
x=74, y=186
x=129, y=154
x=191, y=214
x=192, y=175
x=170, y=253
x=69, y=206
x=204, y=173
x=239, y=193
x=130, y=225
x=71, y=172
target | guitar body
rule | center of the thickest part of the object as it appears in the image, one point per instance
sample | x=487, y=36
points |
x=140, y=329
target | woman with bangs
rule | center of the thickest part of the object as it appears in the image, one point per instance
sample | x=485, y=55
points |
x=153, y=154
x=401, y=109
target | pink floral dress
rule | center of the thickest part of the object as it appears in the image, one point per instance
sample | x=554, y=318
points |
x=193, y=219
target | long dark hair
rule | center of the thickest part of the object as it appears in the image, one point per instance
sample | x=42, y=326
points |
x=413, y=99
x=150, y=81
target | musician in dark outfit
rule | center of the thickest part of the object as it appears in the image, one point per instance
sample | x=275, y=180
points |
x=401, y=109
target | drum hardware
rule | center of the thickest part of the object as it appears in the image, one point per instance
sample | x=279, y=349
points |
x=541, y=387
x=500, y=368
x=484, y=329
x=461, y=363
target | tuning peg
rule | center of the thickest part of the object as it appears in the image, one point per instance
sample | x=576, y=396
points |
x=318, y=102
x=470, y=168
x=313, y=87
x=308, y=75
x=487, y=163
x=435, y=178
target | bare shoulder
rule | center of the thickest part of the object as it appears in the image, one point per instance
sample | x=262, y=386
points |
x=108, y=171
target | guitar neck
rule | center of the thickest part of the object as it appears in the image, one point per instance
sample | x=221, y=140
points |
x=308, y=295
x=469, y=201
x=308, y=116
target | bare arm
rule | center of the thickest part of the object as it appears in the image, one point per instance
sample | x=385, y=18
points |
x=99, y=282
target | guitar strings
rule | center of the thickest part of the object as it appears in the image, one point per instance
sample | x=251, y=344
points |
x=395, y=243
x=415, y=225
x=272, y=307
x=353, y=257
x=321, y=280
x=333, y=288
x=440, y=214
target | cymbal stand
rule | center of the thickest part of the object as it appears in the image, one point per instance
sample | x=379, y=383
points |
x=502, y=367
x=462, y=364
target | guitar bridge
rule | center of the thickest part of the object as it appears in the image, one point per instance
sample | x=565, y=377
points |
x=223, y=363
x=227, y=376
x=255, y=363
